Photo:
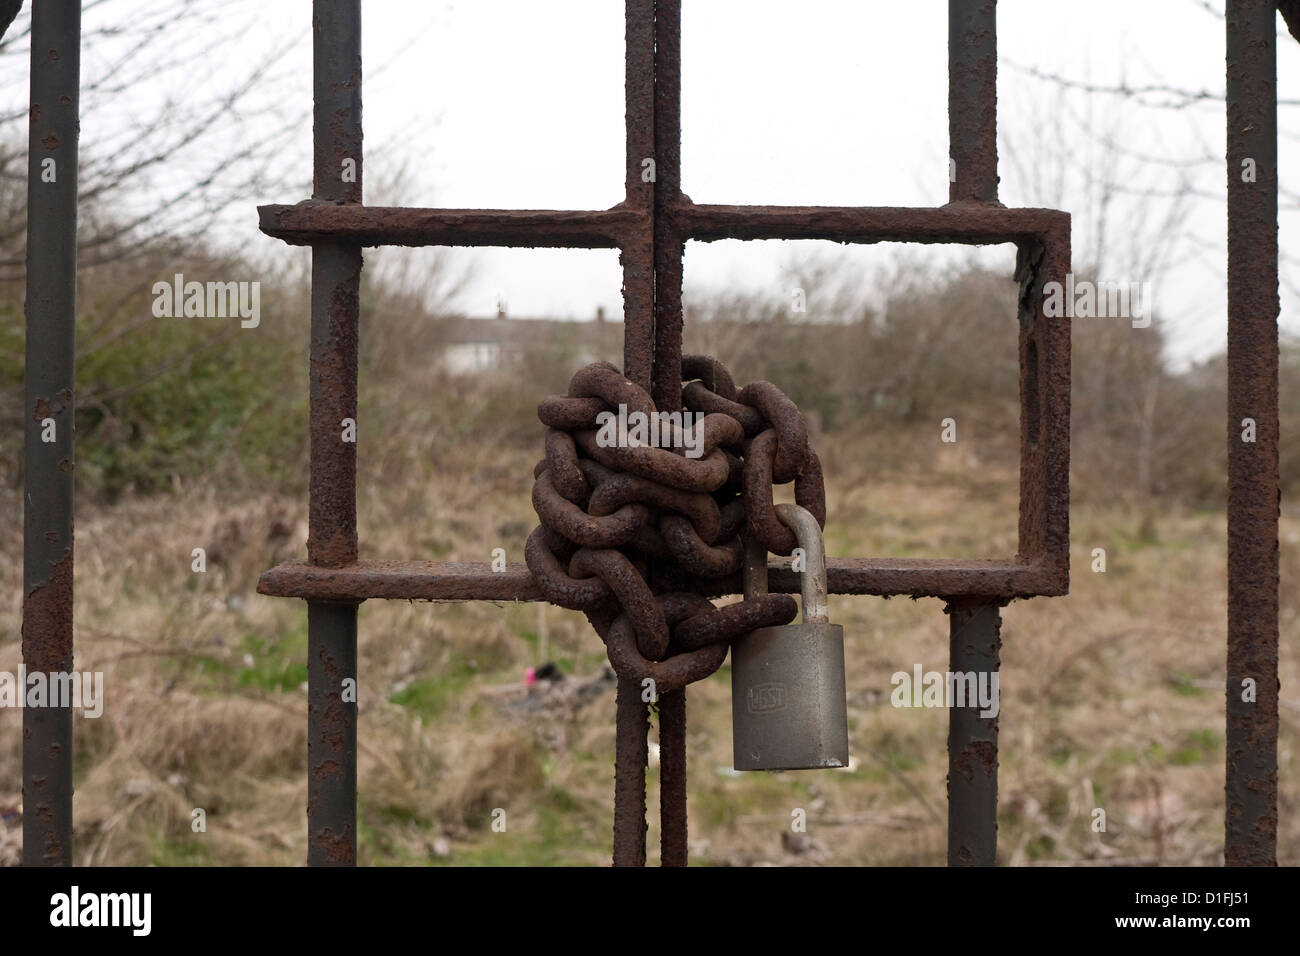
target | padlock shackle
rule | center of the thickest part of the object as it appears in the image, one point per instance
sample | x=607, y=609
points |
x=813, y=577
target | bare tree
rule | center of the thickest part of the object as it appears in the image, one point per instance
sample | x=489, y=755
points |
x=187, y=141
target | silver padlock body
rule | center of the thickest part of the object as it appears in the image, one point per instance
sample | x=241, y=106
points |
x=788, y=705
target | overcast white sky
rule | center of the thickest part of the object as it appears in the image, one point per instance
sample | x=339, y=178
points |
x=519, y=103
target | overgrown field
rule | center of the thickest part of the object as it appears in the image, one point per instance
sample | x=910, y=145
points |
x=193, y=435
x=1111, y=697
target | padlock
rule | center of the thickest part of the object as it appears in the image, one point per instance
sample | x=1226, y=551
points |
x=789, y=710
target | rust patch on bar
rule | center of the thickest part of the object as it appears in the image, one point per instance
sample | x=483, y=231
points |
x=338, y=847
x=986, y=755
x=327, y=768
x=47, y=620
x=44, y=408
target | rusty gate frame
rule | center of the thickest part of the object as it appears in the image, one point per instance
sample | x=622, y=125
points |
x=650, y=228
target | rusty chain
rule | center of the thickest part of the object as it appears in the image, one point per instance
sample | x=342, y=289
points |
x=630, y=534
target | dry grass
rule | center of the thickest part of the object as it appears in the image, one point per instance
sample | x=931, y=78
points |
x=1111, y=697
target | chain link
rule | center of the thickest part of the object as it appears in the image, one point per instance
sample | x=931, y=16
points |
x=630, y=533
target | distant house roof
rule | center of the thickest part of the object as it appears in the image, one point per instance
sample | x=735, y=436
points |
x=522, y=332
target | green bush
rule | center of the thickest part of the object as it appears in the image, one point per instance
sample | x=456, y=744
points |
x=161, y=399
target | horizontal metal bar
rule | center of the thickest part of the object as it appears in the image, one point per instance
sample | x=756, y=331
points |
x=963, y=222
x=312, y=221
x=925, y=577
x=463, y=581
x=402, y=580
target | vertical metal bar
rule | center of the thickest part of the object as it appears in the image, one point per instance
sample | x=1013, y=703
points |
x=629, y=776
x=974, y=626
x=1250, y=812
x=637, y=253
x=672, y=778
x=331, y=735
x=974, y=642
x=669, y=247
x=973, y=100
x=48, y=438
x=332, y=536
x=1044, y=359
x=637, y=257
x=669, y=250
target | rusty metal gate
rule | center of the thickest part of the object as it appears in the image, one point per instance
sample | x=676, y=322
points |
x=650, y=228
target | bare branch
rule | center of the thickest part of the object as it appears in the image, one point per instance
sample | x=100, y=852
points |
x=1177, y=98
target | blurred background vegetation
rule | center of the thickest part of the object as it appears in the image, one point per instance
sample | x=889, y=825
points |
x=161, y=400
